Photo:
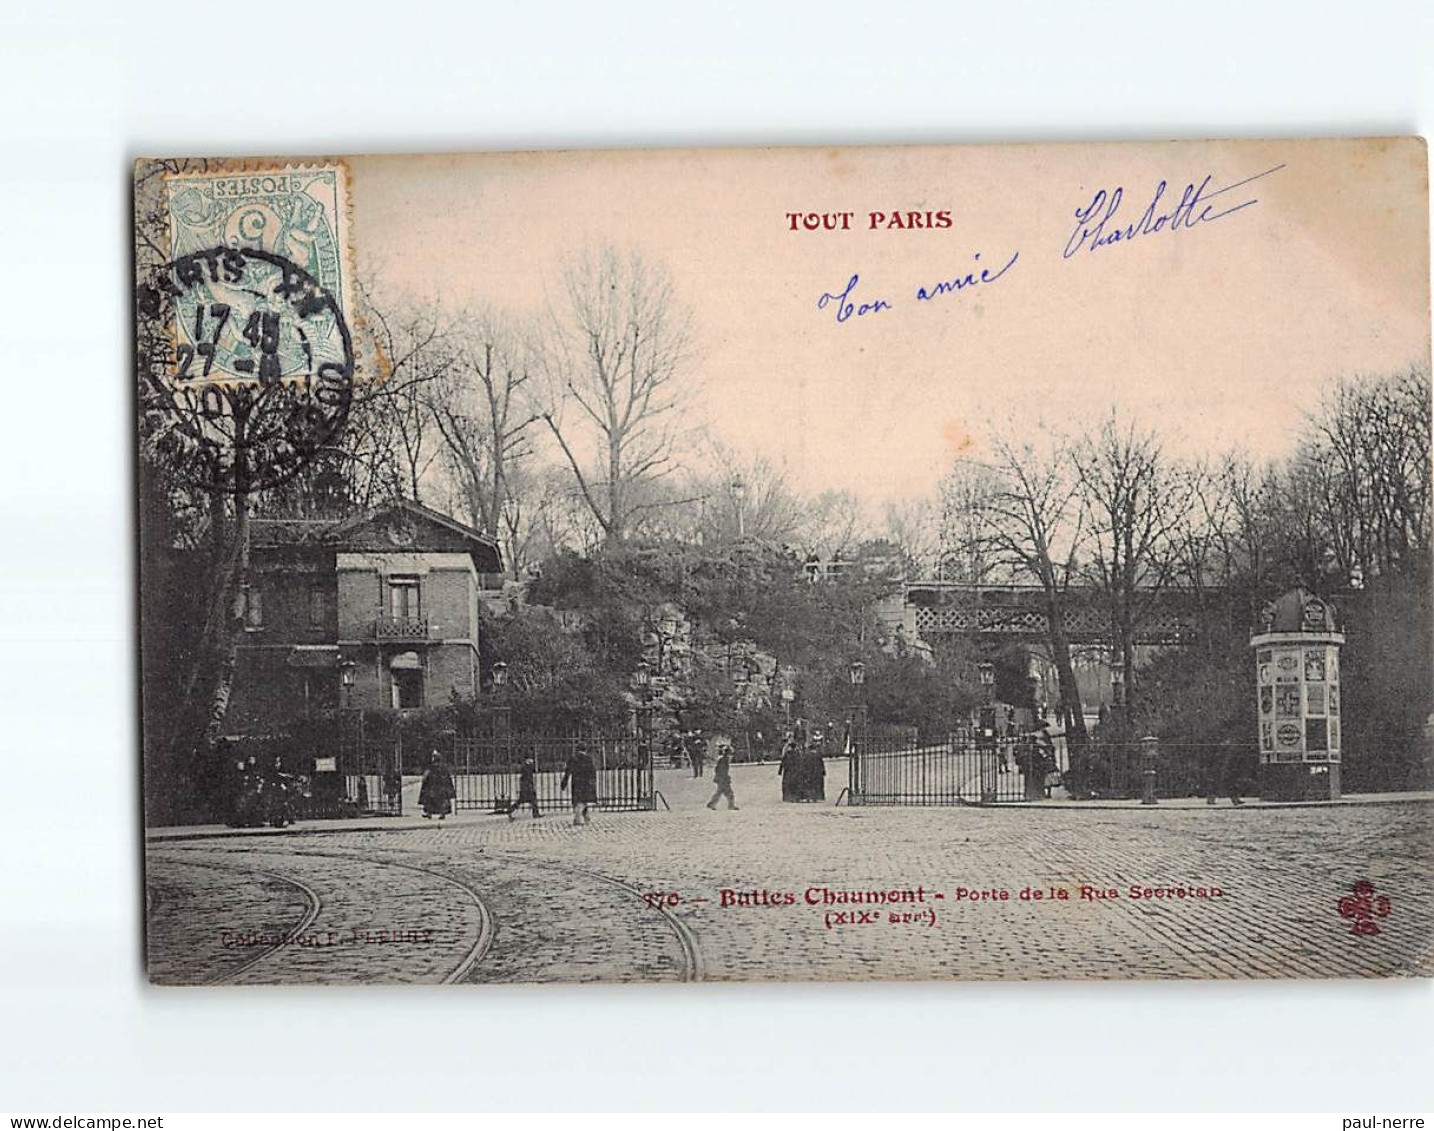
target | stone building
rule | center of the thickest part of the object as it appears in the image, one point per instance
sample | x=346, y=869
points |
x=378, y=610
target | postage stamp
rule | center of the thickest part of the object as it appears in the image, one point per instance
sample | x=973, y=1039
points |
x=297, y=214
x=244, y=302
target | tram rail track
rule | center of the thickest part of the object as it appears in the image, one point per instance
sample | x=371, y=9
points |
x=472, y=956
x=312, y=906
x=693, y=963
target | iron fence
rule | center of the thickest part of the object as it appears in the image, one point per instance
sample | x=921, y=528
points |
x=368, y=766
x=960, y=770
x=486, y=770
x=967, y=770
x=1117, y=770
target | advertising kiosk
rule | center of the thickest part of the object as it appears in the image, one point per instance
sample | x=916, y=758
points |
x=1297, y=645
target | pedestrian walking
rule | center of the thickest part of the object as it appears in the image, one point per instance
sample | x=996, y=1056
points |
x=581, y=772
x=278, y=796
x=527, y=789
x=437, y=792
x=699, y=757
x=722, y=778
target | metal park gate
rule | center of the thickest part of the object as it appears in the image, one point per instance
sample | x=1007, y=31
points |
x=370, y=762
x=486, y=768
x=962, y=770
x=370, y=765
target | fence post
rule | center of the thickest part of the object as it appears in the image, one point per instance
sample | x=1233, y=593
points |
x=1149, y=754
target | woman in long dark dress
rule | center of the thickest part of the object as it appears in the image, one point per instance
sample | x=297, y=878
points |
x=437, y=792
x=816, y=775
x=787, y=769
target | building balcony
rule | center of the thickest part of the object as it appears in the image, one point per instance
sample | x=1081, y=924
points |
x=400, y=630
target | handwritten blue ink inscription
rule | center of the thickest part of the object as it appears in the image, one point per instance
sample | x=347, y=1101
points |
x=848, y=307
x=1097, y=224
x=972, y=278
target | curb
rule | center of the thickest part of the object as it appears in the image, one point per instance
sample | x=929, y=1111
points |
x=167, y=837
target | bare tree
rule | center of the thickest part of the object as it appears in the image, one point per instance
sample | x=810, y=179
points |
x=736, y=496
x=620, y=345
x=1131, y=500
x=485, y=417
x=556, y=516
x=1371, y=438
x=221, y=517
x=962, y=541
x=837, y=524
x=417, y=354
x=914, y=527
x=1031, y=522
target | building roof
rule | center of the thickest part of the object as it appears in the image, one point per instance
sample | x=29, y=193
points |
x=396, y=526
x=1298, y=611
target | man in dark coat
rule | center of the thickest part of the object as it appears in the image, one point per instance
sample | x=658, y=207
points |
x=583, y=775
x=527, y=789
x=1222, y=764
x=437, y=792
x=722, y=779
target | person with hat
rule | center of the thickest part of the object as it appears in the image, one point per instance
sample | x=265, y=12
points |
x=722, y=778
x=787, y=769
x=437, y=792
x=527, y=789
x=1043, y=756
x=583, y=775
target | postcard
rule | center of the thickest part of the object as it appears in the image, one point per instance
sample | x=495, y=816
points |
x=905, y=563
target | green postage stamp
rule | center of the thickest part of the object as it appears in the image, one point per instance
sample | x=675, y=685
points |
x=295, y=213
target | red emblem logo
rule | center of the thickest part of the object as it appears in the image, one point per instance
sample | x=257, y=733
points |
x=1364, y=907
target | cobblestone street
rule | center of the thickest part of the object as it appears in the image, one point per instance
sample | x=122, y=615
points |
x=639, y=897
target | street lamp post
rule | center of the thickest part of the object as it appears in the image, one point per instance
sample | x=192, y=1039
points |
x=644, y=711
x=987, y=673
x=739, y=496
x=986, y=743
x=643, y=676
x=856, y=673
x=502, y=711
x=856, y=729
x=351, y=744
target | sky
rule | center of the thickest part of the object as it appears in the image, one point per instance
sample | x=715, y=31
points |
x=1218, y=334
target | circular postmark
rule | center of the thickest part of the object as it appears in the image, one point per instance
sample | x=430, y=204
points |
x=250, y=370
